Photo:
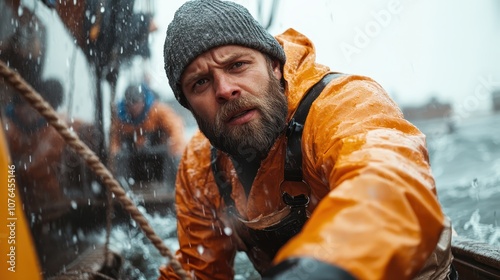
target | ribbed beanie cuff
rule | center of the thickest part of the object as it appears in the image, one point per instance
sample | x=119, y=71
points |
x=201, y=25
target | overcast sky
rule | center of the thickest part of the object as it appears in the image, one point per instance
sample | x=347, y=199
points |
x=415, y=49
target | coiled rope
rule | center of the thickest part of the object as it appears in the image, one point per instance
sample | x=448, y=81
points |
x=72, y=139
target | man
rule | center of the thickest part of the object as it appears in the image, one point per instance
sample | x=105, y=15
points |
x=142, y=129
x=365, y=204
x=46, y=165
x=36, y=147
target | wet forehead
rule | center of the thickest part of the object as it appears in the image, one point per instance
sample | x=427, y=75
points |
x=221, y=55
x=218, y=57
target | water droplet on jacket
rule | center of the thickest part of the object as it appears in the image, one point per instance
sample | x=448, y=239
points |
x=200, y=249
x=228, y=231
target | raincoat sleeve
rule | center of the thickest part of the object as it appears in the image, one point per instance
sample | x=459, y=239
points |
x=380, y=217
x=41, y=162
x=45, y=159
x=173, y=125
x=206, y=250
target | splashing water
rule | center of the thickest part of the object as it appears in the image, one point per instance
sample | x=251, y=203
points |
x=466, y=168
x=142, y=260
x=484, y=232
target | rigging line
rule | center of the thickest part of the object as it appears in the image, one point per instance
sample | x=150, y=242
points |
x=108, y=257
x=272, y=13
x=72, y=139
x=71, y=90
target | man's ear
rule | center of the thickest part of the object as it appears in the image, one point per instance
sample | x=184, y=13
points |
x=276, y=66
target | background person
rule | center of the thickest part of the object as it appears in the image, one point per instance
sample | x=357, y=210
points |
x=39, y=152
x=141, y=129
x=368, y=208
x=36, y=147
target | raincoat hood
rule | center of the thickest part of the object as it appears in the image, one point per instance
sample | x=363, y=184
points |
x=300, y=71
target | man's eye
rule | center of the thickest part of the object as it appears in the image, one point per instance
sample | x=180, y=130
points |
x=200, y=82
x=199, y=85
x=238, y=64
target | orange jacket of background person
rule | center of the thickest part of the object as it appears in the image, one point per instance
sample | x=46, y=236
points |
x=38, y=150
x=37, y=153
x=156, y=118
x=374, y=210
x=36, y=147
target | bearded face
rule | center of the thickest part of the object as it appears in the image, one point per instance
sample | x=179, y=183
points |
x=252, y=139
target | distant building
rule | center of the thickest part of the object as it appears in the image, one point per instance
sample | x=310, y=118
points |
x=495, y=98
x=433, y=109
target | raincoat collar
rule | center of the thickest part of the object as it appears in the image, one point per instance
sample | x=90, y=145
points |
x=125, y=117
x=300, y=71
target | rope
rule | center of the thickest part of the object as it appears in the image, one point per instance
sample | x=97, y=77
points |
x=72, y=139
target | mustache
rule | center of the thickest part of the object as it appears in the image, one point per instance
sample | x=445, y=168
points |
x=233, y=106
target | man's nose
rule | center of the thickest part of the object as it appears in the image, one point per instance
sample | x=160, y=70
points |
x=225, y=88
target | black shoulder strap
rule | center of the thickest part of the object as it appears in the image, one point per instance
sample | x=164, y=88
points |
x=221, y=180
x=293, y=159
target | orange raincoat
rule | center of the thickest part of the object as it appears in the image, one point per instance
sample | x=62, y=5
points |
x=374, y=208
x=160, y=118
x=39, y=155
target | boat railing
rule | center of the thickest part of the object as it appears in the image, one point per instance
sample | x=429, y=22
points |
x=475, y=260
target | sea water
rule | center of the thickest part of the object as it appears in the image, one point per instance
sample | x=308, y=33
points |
x=466, y=166
x=141, y=259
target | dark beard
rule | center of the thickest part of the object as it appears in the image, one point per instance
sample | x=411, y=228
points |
x=252, y=140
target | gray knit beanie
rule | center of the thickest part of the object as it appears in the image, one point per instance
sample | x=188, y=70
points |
x=201, y=25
